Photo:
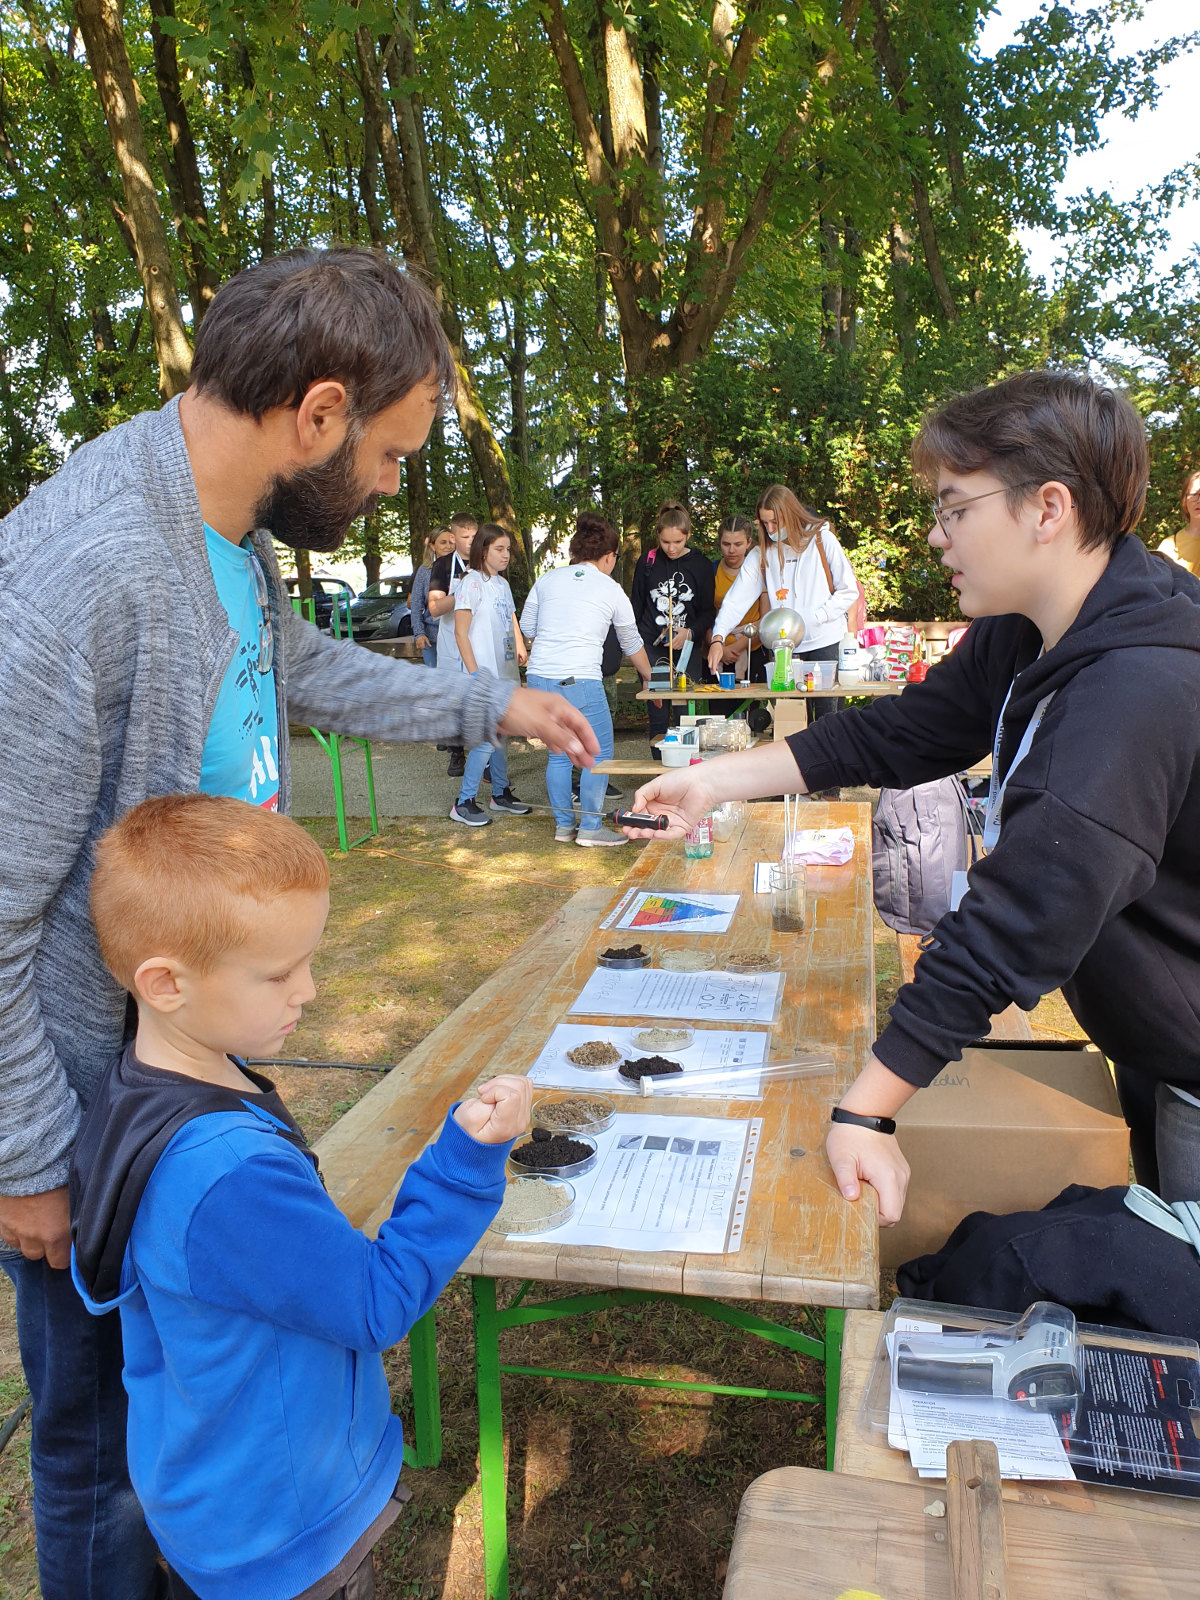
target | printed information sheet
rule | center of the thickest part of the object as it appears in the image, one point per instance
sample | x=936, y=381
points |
x=690, y=996
x=712, y=1047
x=667, y=911
x=665, y=1183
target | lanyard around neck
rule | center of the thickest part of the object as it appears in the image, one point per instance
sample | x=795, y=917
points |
x=996, y=788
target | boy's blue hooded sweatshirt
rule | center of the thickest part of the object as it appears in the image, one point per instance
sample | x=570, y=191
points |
x=261, y=1440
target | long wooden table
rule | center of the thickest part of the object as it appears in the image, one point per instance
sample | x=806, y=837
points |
x=802, y=1245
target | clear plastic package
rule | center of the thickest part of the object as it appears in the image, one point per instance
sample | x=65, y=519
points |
x=1061, y=1399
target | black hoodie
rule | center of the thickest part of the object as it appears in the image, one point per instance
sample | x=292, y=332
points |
x=1094, y=886
x=135, y=1113
x=681, y=590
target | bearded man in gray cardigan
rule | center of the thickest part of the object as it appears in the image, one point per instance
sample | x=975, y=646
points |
x=178, y=668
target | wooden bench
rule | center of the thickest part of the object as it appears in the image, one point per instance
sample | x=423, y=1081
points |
x=1011, y=1023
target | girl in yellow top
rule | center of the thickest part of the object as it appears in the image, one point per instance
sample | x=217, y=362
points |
x=1184, y=548
x=735, y=536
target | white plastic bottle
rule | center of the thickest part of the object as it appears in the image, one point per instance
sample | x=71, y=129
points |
x=850, y=664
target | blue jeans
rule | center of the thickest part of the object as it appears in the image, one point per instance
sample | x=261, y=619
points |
x=429, y=655
x=586, y=695
x=92, y=1540
x=476, y=766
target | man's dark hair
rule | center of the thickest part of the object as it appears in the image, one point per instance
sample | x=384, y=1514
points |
x=294, y=320
x=1043, y=427
x=463, y=519
x=594, y=538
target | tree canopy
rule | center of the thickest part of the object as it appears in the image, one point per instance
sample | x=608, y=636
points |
x=679, y=249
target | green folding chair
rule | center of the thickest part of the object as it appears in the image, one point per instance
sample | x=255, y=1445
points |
x=343, y=628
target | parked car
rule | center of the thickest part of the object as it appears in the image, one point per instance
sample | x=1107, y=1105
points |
x=381, y=610
x=324, y=589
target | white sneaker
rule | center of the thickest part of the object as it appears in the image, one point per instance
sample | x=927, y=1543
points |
x=605, y=836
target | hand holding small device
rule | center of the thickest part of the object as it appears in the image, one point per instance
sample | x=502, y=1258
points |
x=501, y=1111
x=641, y=819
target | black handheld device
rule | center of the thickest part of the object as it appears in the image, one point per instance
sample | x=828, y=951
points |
x=641, y=819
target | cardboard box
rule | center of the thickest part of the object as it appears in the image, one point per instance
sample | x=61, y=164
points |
x=1004, y=1130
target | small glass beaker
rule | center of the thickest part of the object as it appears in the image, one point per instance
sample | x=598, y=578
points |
x=789, y=882
x=739, y=733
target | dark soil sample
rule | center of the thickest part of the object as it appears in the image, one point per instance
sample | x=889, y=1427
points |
x=545, y=1151
x=787, y=922
x=648, y=1067
x=627, y=952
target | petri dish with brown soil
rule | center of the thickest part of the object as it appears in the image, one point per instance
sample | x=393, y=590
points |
x=554, y=1155
x=595, y=1055
x=747, y=962
x=625, y=958
x=574, y=1113
x=534, y=1204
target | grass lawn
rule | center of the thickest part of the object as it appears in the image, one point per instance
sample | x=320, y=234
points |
x=611, y=1491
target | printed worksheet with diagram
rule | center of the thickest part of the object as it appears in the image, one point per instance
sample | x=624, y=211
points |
x=666, y=1183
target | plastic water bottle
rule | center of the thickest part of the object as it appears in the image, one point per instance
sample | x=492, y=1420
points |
x=698, y=841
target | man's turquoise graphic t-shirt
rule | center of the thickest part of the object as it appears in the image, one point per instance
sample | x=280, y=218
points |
x=241, y=752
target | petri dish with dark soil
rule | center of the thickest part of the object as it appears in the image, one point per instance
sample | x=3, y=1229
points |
x=555, y=1155
x=625, y=958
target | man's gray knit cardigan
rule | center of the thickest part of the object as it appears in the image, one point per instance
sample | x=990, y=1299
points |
x=113, y=645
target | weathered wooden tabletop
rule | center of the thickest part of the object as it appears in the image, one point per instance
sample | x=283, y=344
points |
x=805, y=1535
x=802, y=1244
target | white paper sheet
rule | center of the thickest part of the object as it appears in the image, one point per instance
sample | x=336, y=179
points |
x=712, y=1047
x=1028, y=1442
x=672, y=911
x=690, y=996
x=665, y=1183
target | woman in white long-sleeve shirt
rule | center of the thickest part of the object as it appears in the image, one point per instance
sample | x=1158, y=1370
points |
x=568, y=614
x=798, y=564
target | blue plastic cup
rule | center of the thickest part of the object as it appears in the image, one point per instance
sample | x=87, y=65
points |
x=727, y=680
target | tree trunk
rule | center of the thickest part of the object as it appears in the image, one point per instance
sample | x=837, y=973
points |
x=900, y=253
x=183, y=169
x=304, y=581
x=416, y=484
x=100, y=25
x=372, y=556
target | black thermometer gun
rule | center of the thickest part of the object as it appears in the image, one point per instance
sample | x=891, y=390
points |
x=641, y=819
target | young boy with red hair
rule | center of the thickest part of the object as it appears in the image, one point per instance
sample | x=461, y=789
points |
x=261, y=1440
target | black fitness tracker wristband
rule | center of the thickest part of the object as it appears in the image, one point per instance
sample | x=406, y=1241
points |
x=876, y=1124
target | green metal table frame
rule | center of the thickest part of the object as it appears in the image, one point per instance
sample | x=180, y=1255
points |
x=332, y=743
x=822, y=1343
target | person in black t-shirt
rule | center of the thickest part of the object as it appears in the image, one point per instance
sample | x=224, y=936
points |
x=672, y=598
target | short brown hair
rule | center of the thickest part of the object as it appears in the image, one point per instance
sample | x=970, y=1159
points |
x=174, y=874
x=1046, y=427
x=463, y=519
x=594, y=538
x=297, y=319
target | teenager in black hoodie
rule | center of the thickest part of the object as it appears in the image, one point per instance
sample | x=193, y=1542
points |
x=672, y=598
x=1082, y=677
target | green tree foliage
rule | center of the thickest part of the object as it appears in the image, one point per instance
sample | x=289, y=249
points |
x=680, y=248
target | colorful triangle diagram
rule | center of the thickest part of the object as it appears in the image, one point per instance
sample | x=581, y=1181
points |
x=660, y=910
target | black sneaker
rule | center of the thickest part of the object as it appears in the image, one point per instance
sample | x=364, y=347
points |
x=506, y=800
x=457, y=764
x=467, y=811
x=487, y=777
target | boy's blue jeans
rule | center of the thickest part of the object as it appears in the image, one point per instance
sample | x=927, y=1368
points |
x=92, y=1540
x=476, y=765
x=588, y=696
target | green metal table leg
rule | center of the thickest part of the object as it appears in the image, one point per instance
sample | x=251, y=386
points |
x=366, y=744
x=835, y=1322
x=493, y=1491
x=339, y=794
x=427, y=1400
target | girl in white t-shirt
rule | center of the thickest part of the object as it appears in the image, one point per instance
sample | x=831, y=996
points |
x=488, y=639
x=798, y=564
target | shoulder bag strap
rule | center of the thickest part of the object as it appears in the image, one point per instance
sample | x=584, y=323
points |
x=824, y=559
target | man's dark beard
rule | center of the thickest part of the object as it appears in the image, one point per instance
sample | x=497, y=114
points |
x=312, y=509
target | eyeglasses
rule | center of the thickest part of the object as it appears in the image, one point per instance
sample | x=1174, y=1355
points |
x=940, y=511
x=266, y=634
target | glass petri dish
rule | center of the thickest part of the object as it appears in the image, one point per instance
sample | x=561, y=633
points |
x=570, y=1169
x=527, y=1185
x=747, y=961
x=624, y=963
x=574, y=1111
x=661, y=1038
x=687, y=960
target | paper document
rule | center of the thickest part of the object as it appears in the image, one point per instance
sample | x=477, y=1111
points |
x=665, y=1183
x=690, y=996
x=667, y=911
x=712, y=1047
x=1028, y=1442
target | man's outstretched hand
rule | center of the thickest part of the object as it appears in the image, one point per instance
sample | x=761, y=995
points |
x=500, y=1113
x=533, y=713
